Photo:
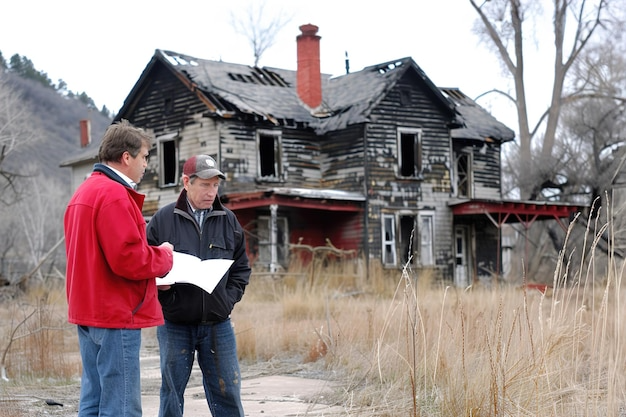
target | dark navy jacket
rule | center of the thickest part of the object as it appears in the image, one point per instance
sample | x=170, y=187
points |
x=221, y=237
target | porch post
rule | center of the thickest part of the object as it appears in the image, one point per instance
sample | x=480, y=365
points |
x=273, y=238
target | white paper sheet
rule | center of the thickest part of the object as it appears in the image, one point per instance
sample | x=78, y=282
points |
x=191, y=270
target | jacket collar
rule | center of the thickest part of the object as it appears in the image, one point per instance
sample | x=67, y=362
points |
x=181, y=203
x=106, y=170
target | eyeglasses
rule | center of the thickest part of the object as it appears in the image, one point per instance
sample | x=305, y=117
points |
x=145, y=157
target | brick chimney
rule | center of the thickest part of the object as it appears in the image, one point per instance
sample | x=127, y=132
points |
x=85, y=133
x=309, y=77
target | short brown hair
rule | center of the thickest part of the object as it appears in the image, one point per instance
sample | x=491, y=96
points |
x=122, y=137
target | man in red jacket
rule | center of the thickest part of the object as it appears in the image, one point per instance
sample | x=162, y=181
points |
x=111, y=270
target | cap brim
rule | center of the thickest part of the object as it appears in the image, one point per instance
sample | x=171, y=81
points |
x=210, y=173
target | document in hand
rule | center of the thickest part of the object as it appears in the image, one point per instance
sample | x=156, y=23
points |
x=192, y=270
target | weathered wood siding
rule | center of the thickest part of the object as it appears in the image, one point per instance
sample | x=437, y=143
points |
x=166, y=108
x=343, y=160
x=388, y=192
x=486, y=172
x=300, y=156
x=165, y=105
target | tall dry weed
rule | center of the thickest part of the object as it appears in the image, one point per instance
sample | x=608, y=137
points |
x=37, y=342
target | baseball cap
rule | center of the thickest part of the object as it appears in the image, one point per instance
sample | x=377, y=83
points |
x=202, y=166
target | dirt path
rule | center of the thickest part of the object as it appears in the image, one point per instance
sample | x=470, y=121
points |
x=266, y=396
x=275, y=395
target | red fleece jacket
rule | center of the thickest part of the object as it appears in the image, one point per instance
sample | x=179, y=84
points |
x=110, y=266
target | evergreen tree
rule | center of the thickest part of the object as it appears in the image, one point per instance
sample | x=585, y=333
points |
x=25, y=68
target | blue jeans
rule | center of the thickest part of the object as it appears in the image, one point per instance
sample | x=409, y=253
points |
x=111, y=383
x=217, y=357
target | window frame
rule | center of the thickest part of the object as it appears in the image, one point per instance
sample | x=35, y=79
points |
x=388, y=244
x=464, y=177
x=416, y=156
x=172, y=160
x=426, y=255
x=276, y=137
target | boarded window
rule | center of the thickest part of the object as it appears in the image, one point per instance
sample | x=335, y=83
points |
x=270, y=154
x=409, y=153
x=168, y=160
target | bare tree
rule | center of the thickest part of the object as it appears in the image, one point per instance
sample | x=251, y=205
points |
x=593, y=134
x=575, y=24
x=17, y=130
x=41, y=219
x=259, y=29
x=31, y=229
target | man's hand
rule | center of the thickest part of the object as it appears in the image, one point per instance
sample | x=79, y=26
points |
x=169, y=246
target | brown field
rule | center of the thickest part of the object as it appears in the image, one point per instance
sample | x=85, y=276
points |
x=397, y=342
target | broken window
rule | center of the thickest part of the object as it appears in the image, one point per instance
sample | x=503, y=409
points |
x=406, y=242
x=412, y=242
x=409, y=152
x=168, y=160
x=463, y=175
x=389, y=240
x=270, y=155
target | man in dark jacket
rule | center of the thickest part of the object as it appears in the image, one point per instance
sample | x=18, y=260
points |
x=196, y=321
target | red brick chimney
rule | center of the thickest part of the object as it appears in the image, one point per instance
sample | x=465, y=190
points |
x=85, y=132
x=309, y=77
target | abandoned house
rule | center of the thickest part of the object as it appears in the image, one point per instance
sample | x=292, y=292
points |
x=378, y=162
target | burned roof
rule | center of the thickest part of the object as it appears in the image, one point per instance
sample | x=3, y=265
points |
x=475, y=122
x=267, y=92
x=348, y=99
x=271, y=92
x=353, y=96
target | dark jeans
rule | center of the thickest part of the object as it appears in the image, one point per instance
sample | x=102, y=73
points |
x=217, y=357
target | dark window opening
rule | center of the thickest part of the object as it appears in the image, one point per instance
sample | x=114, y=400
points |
x=269, y=156
x=406, y=241
x=168, y=162
x=410, y=155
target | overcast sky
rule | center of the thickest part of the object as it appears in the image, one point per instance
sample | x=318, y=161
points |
x=101, y=47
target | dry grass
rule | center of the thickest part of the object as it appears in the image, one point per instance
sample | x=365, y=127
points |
x=401, y=344
x=35, y=337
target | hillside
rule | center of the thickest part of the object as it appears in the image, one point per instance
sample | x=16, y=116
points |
x=58, y=117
